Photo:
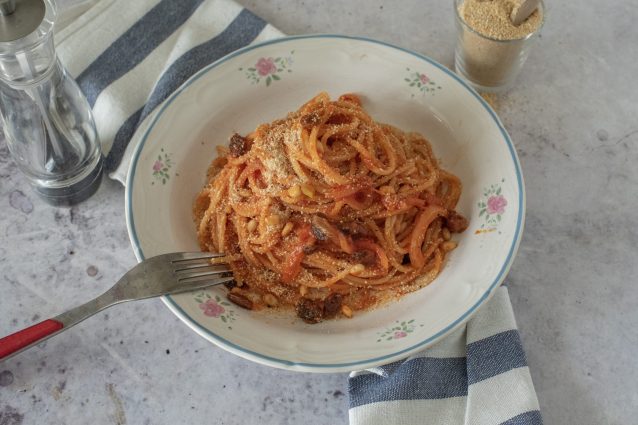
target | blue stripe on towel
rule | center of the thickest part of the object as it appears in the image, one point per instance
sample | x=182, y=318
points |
x=134, y=45
x=494, y=355
x=446, y=378
x=532, y=417
x=241, y=32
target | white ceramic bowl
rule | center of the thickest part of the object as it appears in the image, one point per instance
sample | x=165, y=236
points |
x=262, y=82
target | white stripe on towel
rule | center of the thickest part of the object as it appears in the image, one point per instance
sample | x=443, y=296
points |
x=445, y=411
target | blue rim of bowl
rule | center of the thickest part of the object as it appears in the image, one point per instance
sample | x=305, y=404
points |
x=327, y=367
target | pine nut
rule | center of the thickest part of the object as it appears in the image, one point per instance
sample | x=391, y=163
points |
x=271, y=300
x=347, y=311
x=287, y=229
x=308, y=190
x=294, y=191
x=357, y=268
x=272, y=220
x=448, y=246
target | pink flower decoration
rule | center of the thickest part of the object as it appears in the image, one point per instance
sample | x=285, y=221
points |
x=400, y=334
x=266, y=66
x=211, y=308
x=424, y=79
x=158, y=165
x=496, y=204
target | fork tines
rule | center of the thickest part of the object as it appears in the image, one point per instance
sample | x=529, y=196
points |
x=188, y=256
x=194, y=267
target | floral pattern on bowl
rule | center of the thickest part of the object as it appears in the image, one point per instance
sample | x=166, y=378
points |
x=492, y=206
x=214, y=306
x=269, y=69
x=421, y=82
x=398, y=331
x=161, y=167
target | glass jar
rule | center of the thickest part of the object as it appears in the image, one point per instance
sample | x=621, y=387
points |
x=490, y=64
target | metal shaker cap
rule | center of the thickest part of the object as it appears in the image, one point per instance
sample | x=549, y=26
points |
x=20, y=18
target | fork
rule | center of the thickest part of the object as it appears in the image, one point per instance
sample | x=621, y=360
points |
x=153, y=277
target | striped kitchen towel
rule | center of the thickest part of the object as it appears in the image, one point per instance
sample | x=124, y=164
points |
x=478, y=375
x=129, y=56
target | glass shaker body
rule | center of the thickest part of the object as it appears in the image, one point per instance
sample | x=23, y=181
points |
x=46, y=119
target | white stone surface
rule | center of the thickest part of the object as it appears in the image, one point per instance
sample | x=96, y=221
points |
x=572, y=116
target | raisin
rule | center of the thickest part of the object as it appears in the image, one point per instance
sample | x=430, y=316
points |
x=230, y=285
x=319, y=233
x=456, y=223
x=354, y=229
x=365, y=257
x=310, y=311
x=238, y=145
x=332, y=305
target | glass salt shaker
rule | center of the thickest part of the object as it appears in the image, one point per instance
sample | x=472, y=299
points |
x=47, y=121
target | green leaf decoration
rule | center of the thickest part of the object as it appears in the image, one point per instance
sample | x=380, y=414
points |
x=224, y=319
x=277, y=59
x=388, y=338
x=481, y=213
x=268, y=80
x=498, y=191
x=276, y=77
x=252, y=69
x=217, y=298
x=411, y=321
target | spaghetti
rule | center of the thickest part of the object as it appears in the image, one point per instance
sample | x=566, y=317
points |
x=328, y=211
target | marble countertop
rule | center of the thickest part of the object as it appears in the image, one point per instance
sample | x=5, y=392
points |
x=572, y=116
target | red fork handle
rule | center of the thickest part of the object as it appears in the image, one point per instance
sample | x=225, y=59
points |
x=20, y=340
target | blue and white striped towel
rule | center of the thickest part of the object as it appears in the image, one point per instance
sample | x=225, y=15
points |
x=478, y=375
x=128, y=56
